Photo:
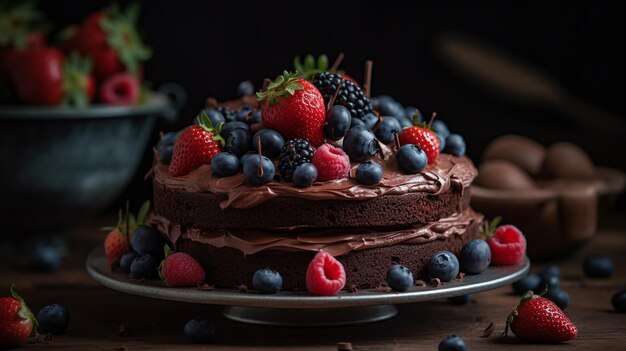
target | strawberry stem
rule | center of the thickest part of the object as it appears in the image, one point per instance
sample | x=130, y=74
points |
x=284, y=85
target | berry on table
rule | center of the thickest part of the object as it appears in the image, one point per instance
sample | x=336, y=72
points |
x=455, y=145
x=16, y=321
x=411, y=158
x=475, y=256
x=369, y=173
x=452, y=343
x=144, y=267
x=146, y=240
x=304, y=175
x=245, y=88
x=200, y=331
x=53, y=319
x=548, y=271
x=225, y=164
x=619, y=301
x=294, y=153
x=530, y=282
x=338, y=121
x=44, y=257
x=258, y=170
x=507, y=243
x=267, y=281
x=179, y=269
x=325, y=275
x=558, y=296
x=399, y=278
x=443, y=265
x=360, y=144
x=597, y=266
x=271, y=142
x=387, y=129
x=331, y=163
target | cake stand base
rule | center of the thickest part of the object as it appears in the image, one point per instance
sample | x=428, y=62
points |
x=323, y=317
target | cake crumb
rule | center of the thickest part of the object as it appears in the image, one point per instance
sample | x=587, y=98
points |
x=460, y=277
x=420, y=283
x=242, y=288
x=383, y=287
x=206, y=287
x=352, y=288
x=344, y=346
x=487, y=332
x=436, y=282
x=43, y=338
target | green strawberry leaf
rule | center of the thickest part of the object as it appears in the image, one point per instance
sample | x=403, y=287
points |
x=283, y=85
x=322, y=63
x=309, y=63
x=143, y=212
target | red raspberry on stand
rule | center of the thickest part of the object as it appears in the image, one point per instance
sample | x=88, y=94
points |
x=507, y=243
x=325, y=275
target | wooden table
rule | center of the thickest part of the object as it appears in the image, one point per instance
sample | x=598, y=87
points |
x=97, y=313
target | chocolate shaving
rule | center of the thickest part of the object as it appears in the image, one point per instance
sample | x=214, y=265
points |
x=242, y=288
x=352, y=288
x=460, y=277
x=211, y=102
x=43, y=338
x=344, y=346
x=383, y=287
x=120, y=348
x=420, y=283
x=487, y=332
x=206, y=287
x=123, y=330
x=436, y=282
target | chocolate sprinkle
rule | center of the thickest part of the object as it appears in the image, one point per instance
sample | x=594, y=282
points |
x=206, y=287
x=460, y=277
x=352, y=288
x=242, y=288
x=436, y=282
x=420, y=283
x=487, y=332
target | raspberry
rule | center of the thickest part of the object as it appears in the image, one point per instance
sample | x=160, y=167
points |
x=508, y=246
x=120, y=89
x=325, y=275
x=331, y=162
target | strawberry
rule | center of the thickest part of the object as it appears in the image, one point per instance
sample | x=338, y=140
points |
x=180, y=269
x=120, y=89
x=110, y=39
x=294, y=107
x=537, y=319
x=422, y=135
x=196, y=146
x=117, y=241
x=16, y=321
x=506, y=242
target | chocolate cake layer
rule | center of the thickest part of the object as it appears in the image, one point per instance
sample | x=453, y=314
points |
x=230, y=258
x=202, y=210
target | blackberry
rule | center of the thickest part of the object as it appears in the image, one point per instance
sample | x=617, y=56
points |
x=294, y=153
x=227, y=112
x=350, y=95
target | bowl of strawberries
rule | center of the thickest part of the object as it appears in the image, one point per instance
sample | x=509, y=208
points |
x=75, y=119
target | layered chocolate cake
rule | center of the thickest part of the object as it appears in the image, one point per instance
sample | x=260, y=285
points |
x=369, y=207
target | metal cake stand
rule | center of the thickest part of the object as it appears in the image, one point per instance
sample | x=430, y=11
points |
x=302, y=308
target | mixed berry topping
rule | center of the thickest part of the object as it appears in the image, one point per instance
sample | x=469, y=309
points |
x=350, y=95
x=294, y=153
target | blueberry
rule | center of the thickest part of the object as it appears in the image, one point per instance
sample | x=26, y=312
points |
x=356, y=122
x=53, y=319
x=239, y=141
x=304, y=175
x=619, y=301
x=409, y=111
x=475, y=256
x=404, y=122
x=370, y=120
x=215, y=117
x=144, y=267
x=369, y=173
x=443, y=265
x=442, y=142
x=225, y=164
x=247, y=155
x=271, y=142
x=267, y=281
x=243, y=112
x=389, y=107
x=411, y=158
x=386, y=130
x=245, y=88
x=596, y=266
x=550, y=281
x=165, y=154
x=440, y=128
x=460, y=300
x=255, y=175
x=338, y=121
x=200, y=331
x=167, y=139
x=127, y=260
x=399, y=278
x=455, y=145
x=559, y=297
x=44, y=257
x=452, y=343
x=360, y=144
x=230, y=126
x=146, y=240
x=529, y=282
x=257, y=117
x=550, y=270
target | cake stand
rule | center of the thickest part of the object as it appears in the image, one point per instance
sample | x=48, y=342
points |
x=301, y=308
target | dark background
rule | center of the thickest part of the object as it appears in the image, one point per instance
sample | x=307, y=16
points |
x=209, y=46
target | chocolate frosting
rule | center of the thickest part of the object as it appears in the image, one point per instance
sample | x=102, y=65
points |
x=337, y=242
x=447, y=171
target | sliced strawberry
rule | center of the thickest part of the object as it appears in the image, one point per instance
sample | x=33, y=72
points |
x=120, y=89
x=325, y=275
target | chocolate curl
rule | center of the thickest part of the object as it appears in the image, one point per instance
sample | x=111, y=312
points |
x=432, y=118
x=396, y=137
x=337, y=62
x=260, y=168
x=367, y=86
x=331, y=102
x=378, y=123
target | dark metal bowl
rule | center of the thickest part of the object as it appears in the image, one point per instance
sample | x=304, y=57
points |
x=58, y=164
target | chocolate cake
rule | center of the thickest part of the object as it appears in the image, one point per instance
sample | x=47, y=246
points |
x=233, y=226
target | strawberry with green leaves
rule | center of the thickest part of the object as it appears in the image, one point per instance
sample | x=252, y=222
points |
x=423, y=136
x=117, y=241
x=17, y=322
x=196, y=146
x=294, y=107
x=537, y=319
